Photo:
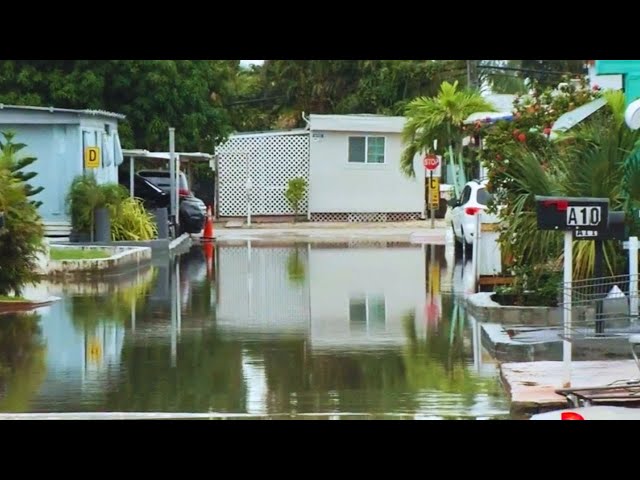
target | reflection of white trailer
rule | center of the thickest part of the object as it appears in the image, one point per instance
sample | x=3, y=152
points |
x=487, y=255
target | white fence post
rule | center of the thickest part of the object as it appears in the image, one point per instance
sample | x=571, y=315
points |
x=633, y=277
x=568, y=278
x=474, y=259
x=249, y=187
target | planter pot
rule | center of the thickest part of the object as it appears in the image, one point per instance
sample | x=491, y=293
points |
x=102, y=225
x=79, y=237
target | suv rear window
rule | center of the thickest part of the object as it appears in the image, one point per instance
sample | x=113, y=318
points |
x=162, y=180
x=484, y=197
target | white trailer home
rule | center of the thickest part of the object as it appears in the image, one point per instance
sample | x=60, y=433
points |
x=351, y=163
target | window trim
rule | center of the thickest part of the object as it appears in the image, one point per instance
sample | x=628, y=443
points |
x=367, y=297
x=366, y=137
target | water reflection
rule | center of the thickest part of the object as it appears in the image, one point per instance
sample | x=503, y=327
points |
x=264, y=330
x=22, y=361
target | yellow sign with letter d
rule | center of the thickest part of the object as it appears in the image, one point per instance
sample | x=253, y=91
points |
x=92, y=157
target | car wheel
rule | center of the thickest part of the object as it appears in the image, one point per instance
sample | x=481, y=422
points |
x=457, y=244
x=468, y=247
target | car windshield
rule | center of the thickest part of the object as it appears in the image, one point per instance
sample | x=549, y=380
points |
x=484, y=197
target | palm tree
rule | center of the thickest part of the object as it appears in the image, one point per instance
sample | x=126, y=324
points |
x=440, y=119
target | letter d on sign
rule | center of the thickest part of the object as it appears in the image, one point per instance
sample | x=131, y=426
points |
x=92, y=157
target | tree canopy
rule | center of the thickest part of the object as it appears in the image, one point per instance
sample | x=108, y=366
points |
x=153, y=94
x=205, y=100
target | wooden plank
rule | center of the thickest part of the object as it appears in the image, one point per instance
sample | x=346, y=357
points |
x=533, y=386
x=491, y=280
x=489, y=227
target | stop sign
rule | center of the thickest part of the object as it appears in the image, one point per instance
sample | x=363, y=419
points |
x=431, y=162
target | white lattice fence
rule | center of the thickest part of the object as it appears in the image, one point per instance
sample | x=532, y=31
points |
x=364, y=217
x=271, y=161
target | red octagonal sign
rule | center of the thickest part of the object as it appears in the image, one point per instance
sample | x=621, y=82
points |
x=431, y=162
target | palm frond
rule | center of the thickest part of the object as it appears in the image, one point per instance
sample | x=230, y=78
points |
x=616, y=103
x=438, y=119
x=631, y=178
x=406, y=160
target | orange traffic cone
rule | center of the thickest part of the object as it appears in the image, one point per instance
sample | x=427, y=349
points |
x=208, y=226
x=208, y=255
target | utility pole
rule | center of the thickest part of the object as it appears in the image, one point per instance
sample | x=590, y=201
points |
x=472, y=74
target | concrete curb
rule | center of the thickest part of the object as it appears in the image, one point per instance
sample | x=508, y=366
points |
x=483, y=308
x=506, y=349
x=29, y=305
x=122, y=257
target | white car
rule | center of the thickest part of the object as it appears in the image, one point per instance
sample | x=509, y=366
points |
x=473, y=200
x=596, y=412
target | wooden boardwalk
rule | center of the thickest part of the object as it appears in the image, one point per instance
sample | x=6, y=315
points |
x=532, y=385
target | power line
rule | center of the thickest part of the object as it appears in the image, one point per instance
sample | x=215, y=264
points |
x=254, y=100
x=526, y=70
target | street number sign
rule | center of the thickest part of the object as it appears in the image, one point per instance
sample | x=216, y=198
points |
x=584, y=216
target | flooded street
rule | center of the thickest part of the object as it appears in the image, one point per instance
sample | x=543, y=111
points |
x=261, y=330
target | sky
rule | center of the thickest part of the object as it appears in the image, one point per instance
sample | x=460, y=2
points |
x=251, y=62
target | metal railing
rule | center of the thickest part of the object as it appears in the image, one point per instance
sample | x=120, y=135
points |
x=603, y=307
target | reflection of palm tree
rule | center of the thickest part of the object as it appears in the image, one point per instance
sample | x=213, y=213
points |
x=438, y=361
x=22, y=361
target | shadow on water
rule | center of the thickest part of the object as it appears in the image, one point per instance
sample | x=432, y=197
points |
x=256, y=329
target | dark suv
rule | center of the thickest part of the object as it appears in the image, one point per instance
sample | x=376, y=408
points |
x=162, y=180
x=151, y=195
x=192, y=210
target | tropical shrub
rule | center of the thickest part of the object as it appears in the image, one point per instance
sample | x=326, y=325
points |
x=587, y=161
x=296, y=189
x=86, y=196
x=537, y=285
x=131, y=221
x=21, y=237
x=20, y=162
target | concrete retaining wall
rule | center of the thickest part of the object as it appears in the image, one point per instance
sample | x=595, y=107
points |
x=497, y=321
x=121, y=258
x=484, y=309
x=505, y=349
x=159, y=247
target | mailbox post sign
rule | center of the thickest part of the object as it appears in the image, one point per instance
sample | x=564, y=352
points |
x=586, y=218
x=572, y=214
x=616, y=230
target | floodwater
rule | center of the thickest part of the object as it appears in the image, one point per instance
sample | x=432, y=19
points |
x=257, y=330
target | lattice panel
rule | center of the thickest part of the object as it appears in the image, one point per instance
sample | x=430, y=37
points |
x=257, y=290
x=365, y=217
x=403, y=216
x=329, y=217
x=271, y=161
